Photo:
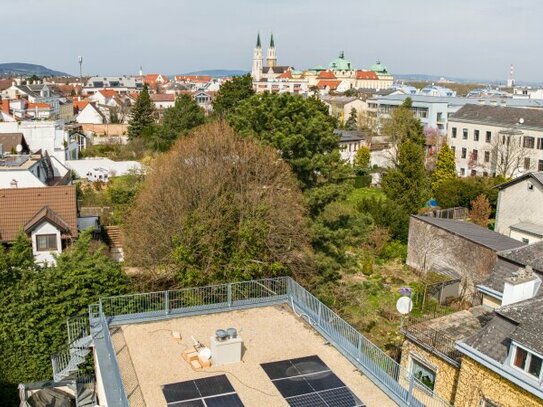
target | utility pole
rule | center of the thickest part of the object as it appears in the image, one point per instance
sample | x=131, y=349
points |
x=80, y=60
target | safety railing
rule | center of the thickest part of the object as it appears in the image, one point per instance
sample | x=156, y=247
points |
x=396, y=381
x=434, y=340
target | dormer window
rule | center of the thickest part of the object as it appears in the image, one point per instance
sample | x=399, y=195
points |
x=527, y=362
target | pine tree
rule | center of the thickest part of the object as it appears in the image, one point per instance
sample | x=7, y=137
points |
x=141, y=115
x=407, y=183
x=445, y=167
x=351, y=123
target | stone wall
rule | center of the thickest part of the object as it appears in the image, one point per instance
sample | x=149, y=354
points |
x=431, y=248
x=477, y=382
x=446, y=373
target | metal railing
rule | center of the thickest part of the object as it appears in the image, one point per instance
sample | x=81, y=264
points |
x=434, y=340
x=393, y=379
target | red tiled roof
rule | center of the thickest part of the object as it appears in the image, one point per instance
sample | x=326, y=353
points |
x=39, y=106
x=332, y=84
x=150, y=79
x=18, y=206
x=80, y=104
x=366, y=75
x=108, y=93
x=285, y=75
x=326, y=75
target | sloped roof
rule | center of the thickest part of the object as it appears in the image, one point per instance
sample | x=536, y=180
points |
x=332, y=84
x=474, y=233
x=531, y=255
x=371, y=75
x=162, y=97
x=19, y=206
x=108, y=93
x=501, y=116
x=10, y=141
x=536, y=176
x=49, y=215
x=326, y=75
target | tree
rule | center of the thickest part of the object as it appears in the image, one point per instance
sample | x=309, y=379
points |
x=178, y=121
x=407, y=184
x=219, y=207
x=508, y=154
x=351, y=123
x=480, y=210
x=362, y=157
x=445, y=167
x=404, y=125
x=35, y=307
x=299, y=128
x=231, y=93
x=141, y=114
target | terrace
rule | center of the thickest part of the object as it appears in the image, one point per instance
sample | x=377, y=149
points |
x=136, y=354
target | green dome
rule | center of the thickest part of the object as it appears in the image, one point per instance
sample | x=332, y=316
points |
x=318, y=68
x=378, y=67
x=340, y=64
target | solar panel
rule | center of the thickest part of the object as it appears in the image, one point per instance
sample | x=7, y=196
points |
x=309, y=382
x=206, y=392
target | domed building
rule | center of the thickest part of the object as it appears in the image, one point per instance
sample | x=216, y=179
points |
x=340, y=63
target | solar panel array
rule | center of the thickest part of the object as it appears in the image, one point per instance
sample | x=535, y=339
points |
x=309, y=382
x=215, y=391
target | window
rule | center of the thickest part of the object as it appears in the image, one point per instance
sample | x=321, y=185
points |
x=487, y=156
x=423, y=373
x=528, y=362
x=465, y=134
x=540, y=143
x=453, y=149
x=529, y=142
x=462, y=171
x=488, y=137
x=454, y=132
x=46, y=243
x=524, y=240
x=473, y=173
x=475, y=135
x=540, y=165
x=464, y=152
x=474, y=155
x=526, y=163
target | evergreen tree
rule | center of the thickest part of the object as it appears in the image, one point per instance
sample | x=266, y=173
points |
x=141, y=114
x=445, y=167
x=351, y=123
x=362, y=157
x=178, y=120
x=407, y=183
x=231, y=93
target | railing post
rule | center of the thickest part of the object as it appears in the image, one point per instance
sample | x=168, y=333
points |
x=319, y=316
x=358, y=347
x=410, y=391
x=166, y=302
x=229, y=294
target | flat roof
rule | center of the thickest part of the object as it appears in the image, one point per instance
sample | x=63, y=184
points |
x=149, y=356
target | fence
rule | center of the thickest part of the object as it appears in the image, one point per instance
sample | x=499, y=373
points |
x=396, y=381
x=457, y=213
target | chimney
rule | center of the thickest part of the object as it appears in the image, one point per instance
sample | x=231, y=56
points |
x=523, y=285
x=13, y=183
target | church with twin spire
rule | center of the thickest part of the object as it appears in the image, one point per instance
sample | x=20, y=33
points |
x=271, y=70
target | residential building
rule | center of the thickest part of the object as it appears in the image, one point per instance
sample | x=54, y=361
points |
x=455, y=248
x=162, y=100
x=341, y=106
x=349, y=143
x=90, y=114
x=136, y=344
x=47, y=215
x=440, y=91
x=86, y=167
x=155, y=79
x=496, y=140
x=121, y=84
x=491, y=354
x=519, y=210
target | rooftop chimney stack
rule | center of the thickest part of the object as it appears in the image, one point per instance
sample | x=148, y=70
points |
x=523, y=285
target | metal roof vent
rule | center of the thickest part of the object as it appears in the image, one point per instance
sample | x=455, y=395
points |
x=221, y=335
x=232, y=333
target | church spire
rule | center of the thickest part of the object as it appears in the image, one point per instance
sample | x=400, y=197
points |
x=258, y=41
x=272, y=44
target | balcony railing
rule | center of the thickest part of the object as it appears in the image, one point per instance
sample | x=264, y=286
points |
x=394, y=380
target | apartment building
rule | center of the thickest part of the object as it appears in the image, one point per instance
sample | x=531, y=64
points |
x=496, y=140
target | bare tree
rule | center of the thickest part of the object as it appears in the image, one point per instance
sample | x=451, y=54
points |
x=508, y=153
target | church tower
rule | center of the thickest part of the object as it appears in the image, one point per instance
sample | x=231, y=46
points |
x=271, y=59
x=256, y=71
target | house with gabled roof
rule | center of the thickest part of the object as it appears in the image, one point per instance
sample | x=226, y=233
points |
x=47, y=215
x=519, y=211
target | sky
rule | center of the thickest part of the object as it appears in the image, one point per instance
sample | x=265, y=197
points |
x=451, y=38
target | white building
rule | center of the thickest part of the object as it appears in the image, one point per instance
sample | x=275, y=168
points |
x=90, y=115
x=491, y=140
x=519, y=212
x=114, y=168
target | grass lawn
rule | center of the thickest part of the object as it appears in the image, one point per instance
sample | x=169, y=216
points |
x=360, y=193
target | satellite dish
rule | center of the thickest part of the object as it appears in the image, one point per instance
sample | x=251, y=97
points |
x=521, y=120
x=19, y=148
x=404, y=305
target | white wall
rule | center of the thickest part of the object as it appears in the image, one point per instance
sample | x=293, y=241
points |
x=24, y=178
x=45, y=228
x=89, y=115
x=517, y=203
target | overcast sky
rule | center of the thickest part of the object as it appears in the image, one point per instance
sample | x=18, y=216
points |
x=461, y=38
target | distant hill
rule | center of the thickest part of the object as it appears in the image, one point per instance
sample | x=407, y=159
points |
x=21, y=69
x=217, y=73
